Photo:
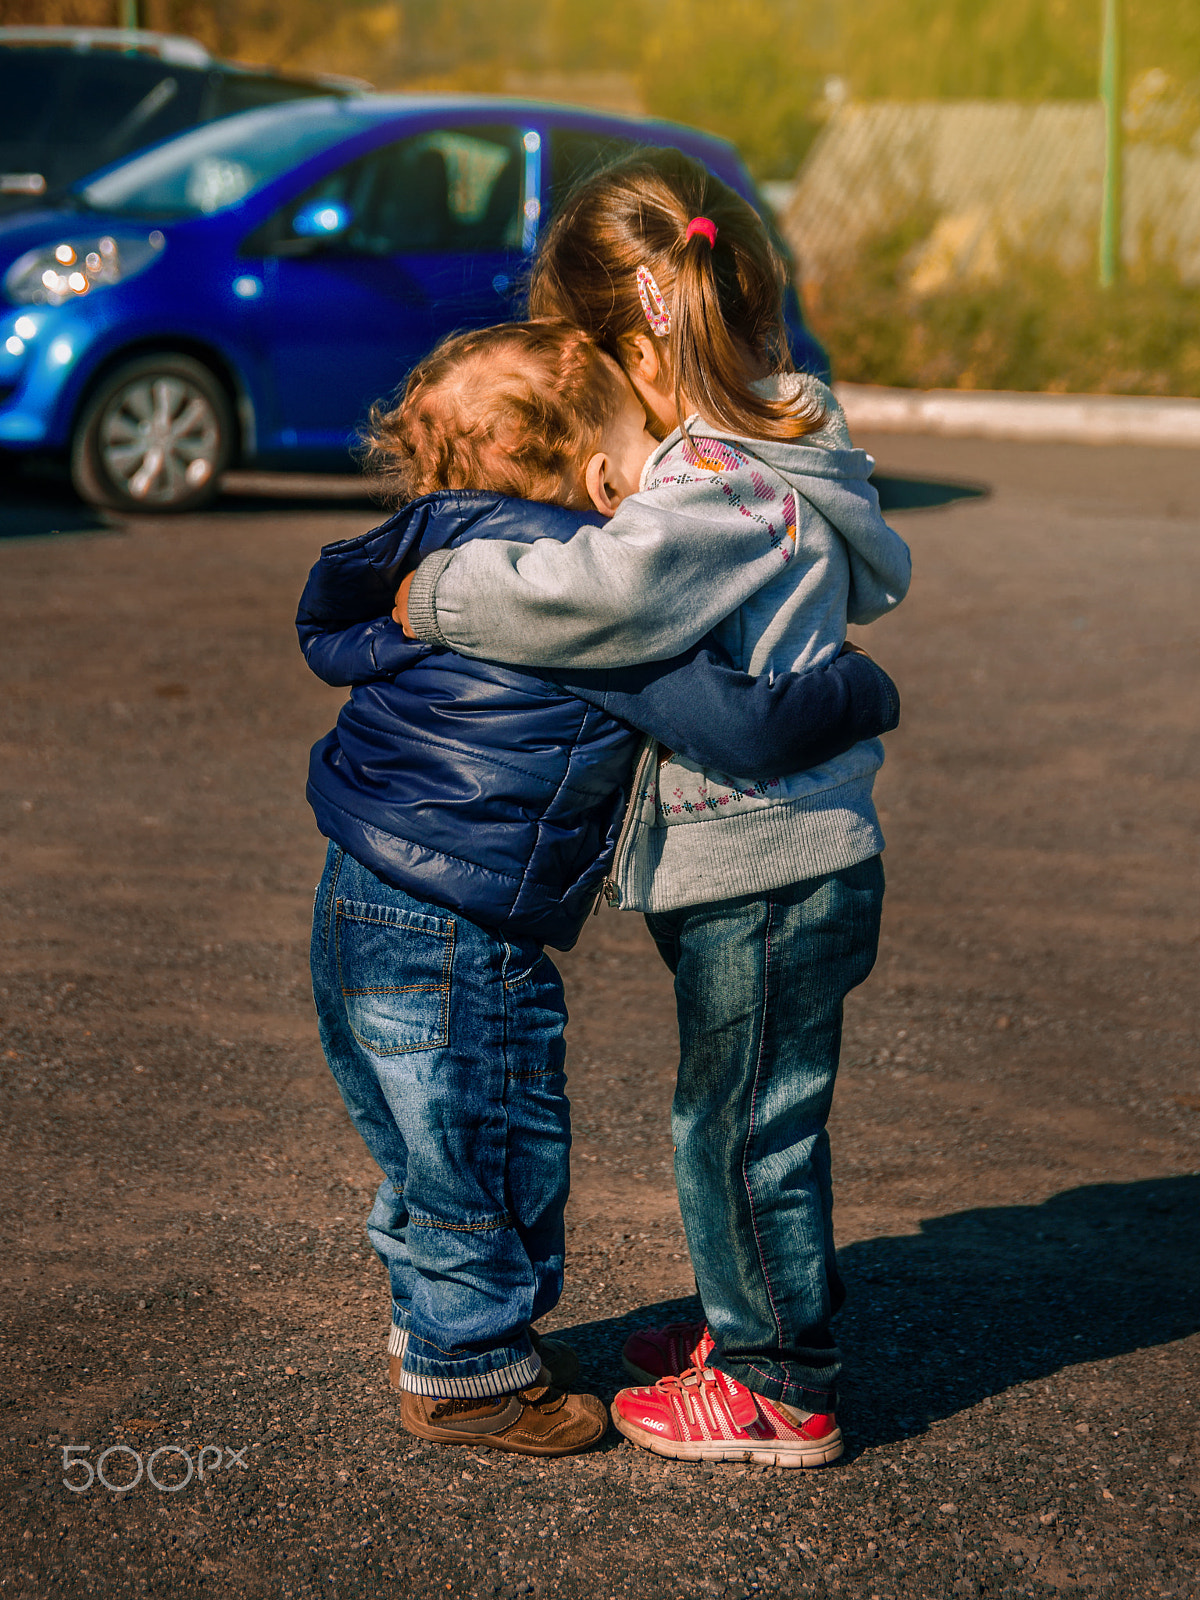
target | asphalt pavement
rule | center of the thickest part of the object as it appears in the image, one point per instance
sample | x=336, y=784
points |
x=193, y=1396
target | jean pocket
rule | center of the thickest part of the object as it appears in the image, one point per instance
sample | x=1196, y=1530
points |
x=394, y=968
x=521, y=963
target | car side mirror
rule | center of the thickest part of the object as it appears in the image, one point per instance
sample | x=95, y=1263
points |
x=321, y=221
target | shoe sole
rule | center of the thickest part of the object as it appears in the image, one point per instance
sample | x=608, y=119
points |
x=818, y=1454
x=482, y=1442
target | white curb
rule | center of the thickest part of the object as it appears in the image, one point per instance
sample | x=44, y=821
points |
x=1046, y=418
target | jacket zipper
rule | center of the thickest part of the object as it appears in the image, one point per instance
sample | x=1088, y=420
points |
x=645, y=761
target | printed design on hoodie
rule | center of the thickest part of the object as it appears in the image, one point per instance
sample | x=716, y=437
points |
x=716, y=457
x=705, y=801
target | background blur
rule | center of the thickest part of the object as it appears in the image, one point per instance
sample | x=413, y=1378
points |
x=936, y=164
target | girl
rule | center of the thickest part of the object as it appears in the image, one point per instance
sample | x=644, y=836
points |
x=755, y=519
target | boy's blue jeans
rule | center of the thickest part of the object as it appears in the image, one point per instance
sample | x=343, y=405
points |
x=446, y=1042
x=759, y=984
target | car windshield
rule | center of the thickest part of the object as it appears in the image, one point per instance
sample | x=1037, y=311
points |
x=217, y=165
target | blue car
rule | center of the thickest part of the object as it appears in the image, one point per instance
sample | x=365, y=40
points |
x=242, y=292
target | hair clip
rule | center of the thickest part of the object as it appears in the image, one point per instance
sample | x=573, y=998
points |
x=704, y=225
x=653, y=303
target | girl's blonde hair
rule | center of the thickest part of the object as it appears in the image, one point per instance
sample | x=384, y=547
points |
x=725, y=300
x=516, y=409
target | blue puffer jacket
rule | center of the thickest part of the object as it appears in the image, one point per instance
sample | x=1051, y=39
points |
x=499, y=792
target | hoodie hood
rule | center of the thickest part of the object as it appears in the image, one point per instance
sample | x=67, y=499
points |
x=834, y=477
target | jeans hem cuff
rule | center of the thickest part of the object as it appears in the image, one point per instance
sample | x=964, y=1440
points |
x=785, y=1391
x=397, y=1342
x=474, y=1385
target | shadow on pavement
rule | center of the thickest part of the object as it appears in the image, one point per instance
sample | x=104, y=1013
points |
x=267, y=493
x=39, y=502
x=35, y=506
x=983, y=1300
x=922, y=494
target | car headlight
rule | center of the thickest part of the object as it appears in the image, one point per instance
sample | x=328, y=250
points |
x=55, y=273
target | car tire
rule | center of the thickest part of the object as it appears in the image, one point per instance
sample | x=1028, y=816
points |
x=155, y=436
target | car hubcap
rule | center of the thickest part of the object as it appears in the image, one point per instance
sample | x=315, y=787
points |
x=159, y=440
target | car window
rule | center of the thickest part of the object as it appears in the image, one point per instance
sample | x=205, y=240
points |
x=65, y=114
x=218, y=164
x=113, y=101
x=576, y=154
x=236, y=91
x=29, y=91
x=452, y=189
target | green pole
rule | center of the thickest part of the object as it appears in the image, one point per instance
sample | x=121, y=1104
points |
x=129, y=14
x=1110, y=94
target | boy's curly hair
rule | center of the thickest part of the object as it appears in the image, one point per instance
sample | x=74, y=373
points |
x=516, y=409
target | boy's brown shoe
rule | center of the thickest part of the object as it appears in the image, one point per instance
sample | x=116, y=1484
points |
x=559, y=1360
x=537, y=1421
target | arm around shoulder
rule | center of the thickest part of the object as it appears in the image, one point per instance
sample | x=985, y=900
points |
x=758, y=728
x=650, y=583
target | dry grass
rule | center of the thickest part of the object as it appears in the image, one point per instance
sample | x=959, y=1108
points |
x=1036, y=328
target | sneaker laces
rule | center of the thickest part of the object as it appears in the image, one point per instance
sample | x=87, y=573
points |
x=696, y=1376
x=695, y=1379
x=717, y=1388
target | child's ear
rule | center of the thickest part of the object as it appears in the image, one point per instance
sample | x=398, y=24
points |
x=602, y=492
x=641, y=359
x=644, y=360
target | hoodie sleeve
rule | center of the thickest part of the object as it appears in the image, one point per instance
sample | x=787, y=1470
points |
x=675, y=561
x=701, y=707
x=665, y=570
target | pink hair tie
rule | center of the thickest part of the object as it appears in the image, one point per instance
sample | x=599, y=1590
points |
x=705, y=226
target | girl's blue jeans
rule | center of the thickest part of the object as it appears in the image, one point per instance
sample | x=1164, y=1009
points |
x=759, y=985
x=446, y=1042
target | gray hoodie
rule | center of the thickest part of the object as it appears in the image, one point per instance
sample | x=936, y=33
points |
x=772, y=546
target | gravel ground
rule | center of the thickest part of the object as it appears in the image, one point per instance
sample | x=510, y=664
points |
x=1016, y=1135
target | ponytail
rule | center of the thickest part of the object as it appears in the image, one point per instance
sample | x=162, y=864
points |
x=719, y=276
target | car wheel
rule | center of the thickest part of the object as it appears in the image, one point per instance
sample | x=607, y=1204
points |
x=155, y=436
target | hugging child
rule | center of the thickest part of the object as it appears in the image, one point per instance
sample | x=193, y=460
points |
x=472, y=811
x=756, y=519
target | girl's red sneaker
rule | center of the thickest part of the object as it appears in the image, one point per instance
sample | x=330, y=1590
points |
x=707, y=1416
x=654, y=1353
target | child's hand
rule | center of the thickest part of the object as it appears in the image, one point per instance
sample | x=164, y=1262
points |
x=848, y=649
x=400, y=610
